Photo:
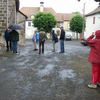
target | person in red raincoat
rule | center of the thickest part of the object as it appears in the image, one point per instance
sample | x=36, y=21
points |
x=94, y=57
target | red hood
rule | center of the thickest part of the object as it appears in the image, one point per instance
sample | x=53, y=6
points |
x=97, y=33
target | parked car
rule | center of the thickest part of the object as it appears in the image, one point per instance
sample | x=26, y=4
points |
x=68, y=35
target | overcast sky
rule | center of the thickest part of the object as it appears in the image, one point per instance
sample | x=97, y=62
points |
x=62, y=6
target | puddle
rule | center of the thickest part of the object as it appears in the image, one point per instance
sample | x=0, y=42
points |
x=69, y=73
x=52, y=59
x=46, y=71
x=2, y=70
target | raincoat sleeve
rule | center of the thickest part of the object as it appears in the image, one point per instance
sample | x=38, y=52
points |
x=90, y=41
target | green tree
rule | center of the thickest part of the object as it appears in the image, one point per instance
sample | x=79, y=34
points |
x=77, y=24
x=97, y=0
x=46, y=21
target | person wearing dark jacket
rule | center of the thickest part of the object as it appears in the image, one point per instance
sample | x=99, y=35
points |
x=14, y=36
x=94, y=58
x=62, y=38
x=54, y=39
x=7, y=39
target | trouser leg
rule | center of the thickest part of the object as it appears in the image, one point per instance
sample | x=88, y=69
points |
x=39, y=47
x=14, y=46
x=43, y=47
x=10, y=45
x=53, y=46
x=95, y=73
x=61, y=46
x=34, y=44
x=7, y=45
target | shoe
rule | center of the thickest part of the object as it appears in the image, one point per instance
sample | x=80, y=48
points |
x=98, y=84
x=53, y=50
x=17, y=53
x=35, y=49
x=61, y=52
x=92, y=86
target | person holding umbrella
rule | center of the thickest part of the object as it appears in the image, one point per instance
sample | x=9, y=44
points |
x=14, y=36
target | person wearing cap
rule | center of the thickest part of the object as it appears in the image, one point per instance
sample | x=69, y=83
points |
x=94, y=58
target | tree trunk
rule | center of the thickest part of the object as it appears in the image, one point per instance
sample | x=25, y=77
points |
x=77, y=36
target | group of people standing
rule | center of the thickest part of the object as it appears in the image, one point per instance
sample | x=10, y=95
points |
x=11, y=37
x=40, y=37
x=94, y=56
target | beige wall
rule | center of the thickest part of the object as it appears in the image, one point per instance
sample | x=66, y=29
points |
x=21, y=21
x=66, y=25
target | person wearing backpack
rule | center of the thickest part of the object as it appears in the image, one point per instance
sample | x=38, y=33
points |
x=54, y=39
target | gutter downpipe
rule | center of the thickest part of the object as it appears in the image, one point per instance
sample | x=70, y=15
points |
x=7, y=14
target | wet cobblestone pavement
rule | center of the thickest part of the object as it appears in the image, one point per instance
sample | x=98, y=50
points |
x=50, y=76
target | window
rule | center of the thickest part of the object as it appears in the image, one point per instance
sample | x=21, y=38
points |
x=29, y=23
x=93, y=20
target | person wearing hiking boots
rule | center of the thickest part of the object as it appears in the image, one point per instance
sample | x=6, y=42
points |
x=94, y=57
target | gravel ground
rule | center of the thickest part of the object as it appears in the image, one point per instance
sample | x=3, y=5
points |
x=50, y=76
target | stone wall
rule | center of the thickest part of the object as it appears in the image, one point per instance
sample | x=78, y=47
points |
x=3, y=19
x=7, y=16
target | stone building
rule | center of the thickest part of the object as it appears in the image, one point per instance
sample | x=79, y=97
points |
x=8, y=10
x=9, y=15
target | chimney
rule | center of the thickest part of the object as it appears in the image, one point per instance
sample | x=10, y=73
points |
x=41, y=6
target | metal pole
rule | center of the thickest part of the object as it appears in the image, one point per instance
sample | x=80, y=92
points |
x=15, y=15
x=7, y=14
x=83, y=20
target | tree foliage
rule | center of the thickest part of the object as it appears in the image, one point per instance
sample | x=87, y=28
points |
x=77, y=24
x=46, y=21
x=97, y=0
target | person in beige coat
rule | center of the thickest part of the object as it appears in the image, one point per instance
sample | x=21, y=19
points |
x=42, y=39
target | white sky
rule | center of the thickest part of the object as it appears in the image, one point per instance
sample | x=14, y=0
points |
x=62, y=6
